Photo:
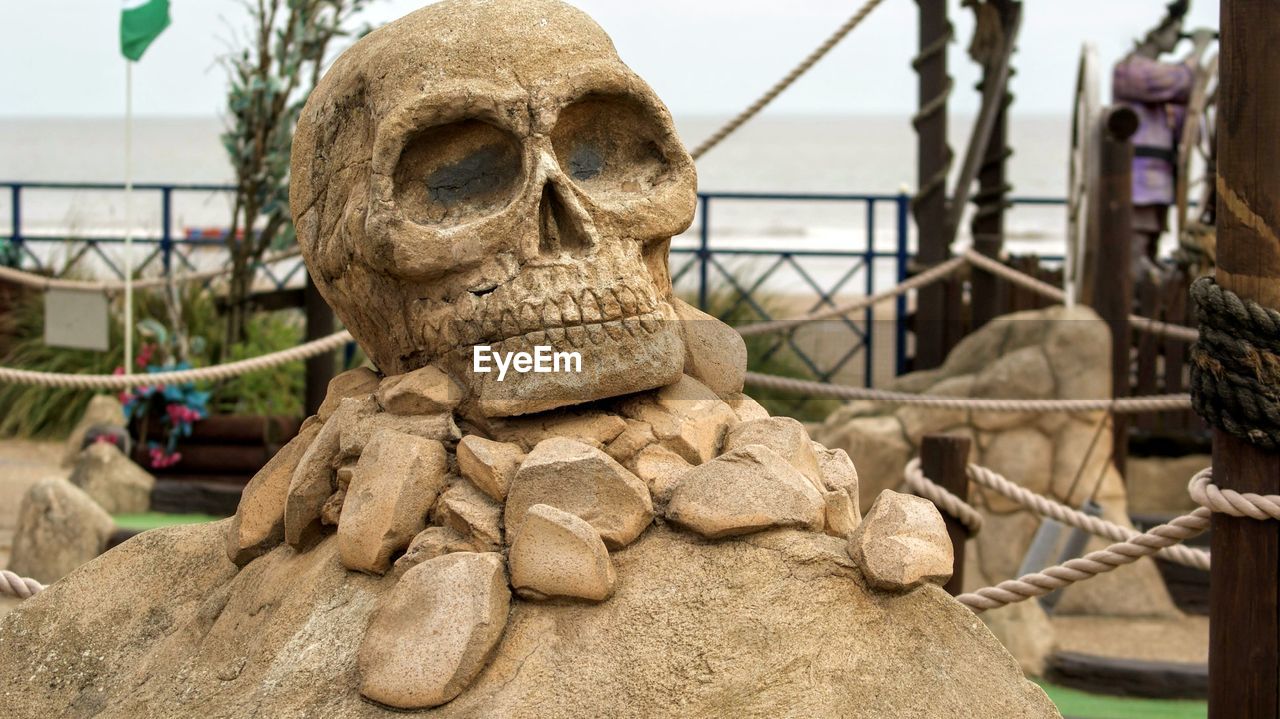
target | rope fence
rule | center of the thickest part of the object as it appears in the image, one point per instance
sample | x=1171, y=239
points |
x=12, y=585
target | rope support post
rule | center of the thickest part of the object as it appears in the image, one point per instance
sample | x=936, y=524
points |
x=946, y=458
x=1244, y=589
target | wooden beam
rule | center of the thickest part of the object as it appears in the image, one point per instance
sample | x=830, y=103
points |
x=322, y=367
x=944, y=458
x=933, y=157
x=1244, y=630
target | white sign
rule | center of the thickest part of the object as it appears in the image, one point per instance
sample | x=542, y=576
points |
x=76, y=319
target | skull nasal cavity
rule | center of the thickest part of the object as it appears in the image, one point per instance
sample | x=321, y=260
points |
x=560, y=231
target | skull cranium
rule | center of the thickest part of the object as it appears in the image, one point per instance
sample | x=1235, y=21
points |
x=488, y=172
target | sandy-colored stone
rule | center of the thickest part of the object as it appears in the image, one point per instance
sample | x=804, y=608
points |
x=783, y=435
x=1081, y=456
x=746, y=408
x=714, y=353
x=59, y=528
x=489, y=465
x=660, y=468
x=358, y=432
x=627, y=445
x=279, y=638
x=103, y=410
x=430, y=543
x=686, y=417
x=331, y=512
x=1023, y=455
x=473, y=514
x=841, y=513
x=878, y=449
x=422, y=391
x=1078, y=346
x=559, y=555
x=838, y=471
x=1158, y=485
x=433, y=633
x=918, y=421
x=313, y=479
x=1022, y=374
x=359, y=384
x=747, y=490
x=258, y=524
x=581, y=480
x=902, y=543
x=595, y=428
x=395, y=483
x=117, y=484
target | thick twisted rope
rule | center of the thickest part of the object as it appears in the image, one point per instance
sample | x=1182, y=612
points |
x=214, y=373
x=924, y=278
x=1202, y=490
x=946, y=500
x=1122, y=405
x=780, y=86
x=21, y=587
x=41, y=282
x=1235, y=366
x=936, y=182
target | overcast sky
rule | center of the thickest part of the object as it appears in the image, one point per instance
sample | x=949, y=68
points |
x=61, y=57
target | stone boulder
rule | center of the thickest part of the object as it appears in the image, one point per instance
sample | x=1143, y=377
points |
x=60, y=527
x=114, y=481
x=773, y=624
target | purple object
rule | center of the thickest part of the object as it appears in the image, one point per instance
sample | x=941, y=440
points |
x=1158, y=92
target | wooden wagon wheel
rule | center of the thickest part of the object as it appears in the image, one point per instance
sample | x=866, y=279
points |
x=1081, y=174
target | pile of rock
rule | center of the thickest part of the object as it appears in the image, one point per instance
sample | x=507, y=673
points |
x=1056, y=353
x=63, y=523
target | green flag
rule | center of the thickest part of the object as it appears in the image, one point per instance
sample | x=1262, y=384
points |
x=141, y=22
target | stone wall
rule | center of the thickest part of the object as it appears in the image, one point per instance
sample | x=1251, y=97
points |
x=1056, y=353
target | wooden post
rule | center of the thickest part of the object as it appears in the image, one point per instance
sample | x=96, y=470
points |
x=944, y=458
x=933, y=158
x=320, y=369
x=1244, y=614
x=1113, y=294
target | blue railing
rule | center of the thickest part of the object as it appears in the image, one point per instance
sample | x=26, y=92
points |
x=696, y=254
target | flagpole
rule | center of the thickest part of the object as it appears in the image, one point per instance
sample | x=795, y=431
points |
x=128, y=217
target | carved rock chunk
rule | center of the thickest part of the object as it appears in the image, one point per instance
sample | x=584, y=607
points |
x=747, y=490
x=313, y=478
x=901, y=543
x=471, y=513
x=686, y=417
x=559, y=555
x=714, y=353
x=489, y=465
x=841, y=514
x=355, y=435
x=627, y=445
x=59, y=528
x=838, y=471
x=394, y=485
x=589, y=427
x=117, y=484
x=660, y=468
x=422, y=391
x=356, y=383
x=259, y=522
x=783, y=435
x=584, y=481
x=746, y=408
x=430, y=543
x=434, y=630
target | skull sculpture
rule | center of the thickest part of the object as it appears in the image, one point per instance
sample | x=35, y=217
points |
x=490, y=173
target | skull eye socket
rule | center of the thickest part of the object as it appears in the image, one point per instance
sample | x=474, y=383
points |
x=611, y=147
x=457, y=172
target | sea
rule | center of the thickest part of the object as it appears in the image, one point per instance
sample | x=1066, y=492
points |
x=872, y=154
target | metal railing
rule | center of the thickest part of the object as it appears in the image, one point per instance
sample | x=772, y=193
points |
x=699, y=256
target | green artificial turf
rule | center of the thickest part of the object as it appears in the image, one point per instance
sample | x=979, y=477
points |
x=1081, y=705
x=151, y=520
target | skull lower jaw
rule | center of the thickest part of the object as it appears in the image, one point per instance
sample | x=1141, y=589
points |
x=617, y=358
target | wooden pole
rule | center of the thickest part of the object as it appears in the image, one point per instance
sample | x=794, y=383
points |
x=321, y=368
x=1113, y=293
x=1244, y=614
x=933, y=158
x=988, y=220
x=944, y=458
